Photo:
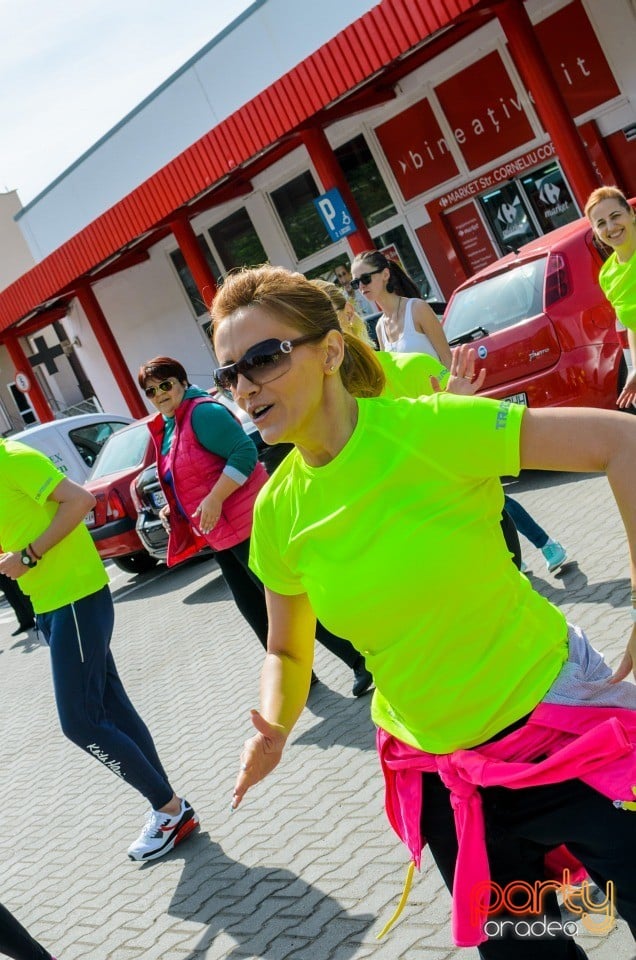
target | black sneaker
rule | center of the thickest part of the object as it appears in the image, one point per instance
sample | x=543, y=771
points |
x=161, y=832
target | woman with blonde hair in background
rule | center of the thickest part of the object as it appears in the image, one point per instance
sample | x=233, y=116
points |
x=346, y=311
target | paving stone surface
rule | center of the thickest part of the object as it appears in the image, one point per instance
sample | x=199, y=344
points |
x=308, y=868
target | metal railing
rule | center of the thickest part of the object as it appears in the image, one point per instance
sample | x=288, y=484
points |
x=91, y=405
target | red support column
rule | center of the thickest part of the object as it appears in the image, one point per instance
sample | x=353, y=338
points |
x=447, y=247
x=21, y=363
x=195, y=259
x=110, y=349
x=548, y=102
x=328, y=169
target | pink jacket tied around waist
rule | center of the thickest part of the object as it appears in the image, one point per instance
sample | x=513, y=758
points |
x=596, y=744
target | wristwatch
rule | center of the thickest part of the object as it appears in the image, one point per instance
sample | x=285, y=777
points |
x=26, y=560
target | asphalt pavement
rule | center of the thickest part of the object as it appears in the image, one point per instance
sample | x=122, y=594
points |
x=308, y=867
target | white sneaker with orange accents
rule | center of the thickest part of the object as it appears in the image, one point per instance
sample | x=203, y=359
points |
x=161, y=832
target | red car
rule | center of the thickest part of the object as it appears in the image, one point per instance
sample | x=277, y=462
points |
x=112, y=522
x=541, y=325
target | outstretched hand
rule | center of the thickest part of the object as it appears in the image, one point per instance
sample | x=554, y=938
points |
x=462, y=380
x=627, y=395
x=628, y=663
x=260, y=754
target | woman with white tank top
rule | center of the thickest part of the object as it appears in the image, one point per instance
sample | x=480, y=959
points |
x=407, y=324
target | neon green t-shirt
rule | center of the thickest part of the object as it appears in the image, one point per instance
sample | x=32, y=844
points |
x=397, y=542
x=409, y=374
x=618, y=283
x=70, y=570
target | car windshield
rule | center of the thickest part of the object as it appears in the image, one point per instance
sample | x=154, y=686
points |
x=498, y=302
x=124, y=450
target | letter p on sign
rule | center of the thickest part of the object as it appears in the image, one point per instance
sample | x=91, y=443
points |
x=327, y=212
x=334, y=214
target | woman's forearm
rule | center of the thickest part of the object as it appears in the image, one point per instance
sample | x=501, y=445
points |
x=285, y=685
x=285, y=682
x=286, y=673
x=223, y=487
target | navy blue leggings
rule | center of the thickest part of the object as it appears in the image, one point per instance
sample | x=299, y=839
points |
x=524, y=523
x=94, y=709
x=16, y=942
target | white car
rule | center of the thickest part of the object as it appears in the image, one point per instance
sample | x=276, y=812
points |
x=72, y=443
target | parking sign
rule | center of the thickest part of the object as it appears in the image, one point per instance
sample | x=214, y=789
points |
x=334, y=214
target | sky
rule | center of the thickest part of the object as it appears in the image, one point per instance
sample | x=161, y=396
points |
x=71, y=69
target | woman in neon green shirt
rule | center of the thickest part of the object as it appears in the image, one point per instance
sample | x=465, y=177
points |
x=614, y=225
x=385, y=490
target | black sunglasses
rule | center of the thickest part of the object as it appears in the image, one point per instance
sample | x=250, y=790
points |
x=262, y=363
x=164, y=387
x=364, y=278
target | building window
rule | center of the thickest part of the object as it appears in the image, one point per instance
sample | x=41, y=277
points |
x=237, y=242
x=365, y=180
x=327, y=270
x=187, y=280
x=21, y=401
x=294, y=203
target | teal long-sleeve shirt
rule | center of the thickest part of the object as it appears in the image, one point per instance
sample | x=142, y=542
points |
x=218, y=431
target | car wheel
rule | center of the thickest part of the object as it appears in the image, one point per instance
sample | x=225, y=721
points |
x=136, y=562
x=623, y=373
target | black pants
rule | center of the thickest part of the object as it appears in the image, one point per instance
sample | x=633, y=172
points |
x=18, y=600
x=511, y=537
x=521, y=826
x=16, y=942
x=249, y=596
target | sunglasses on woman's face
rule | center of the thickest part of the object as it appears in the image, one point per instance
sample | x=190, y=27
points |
x=364, y=278
x=262, y=363
x=164, y=387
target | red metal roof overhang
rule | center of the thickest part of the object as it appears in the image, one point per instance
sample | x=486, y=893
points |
x=349, y=73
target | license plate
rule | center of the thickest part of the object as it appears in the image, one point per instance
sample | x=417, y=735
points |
x=517, y=398
x=89, y=519
x=158, y=498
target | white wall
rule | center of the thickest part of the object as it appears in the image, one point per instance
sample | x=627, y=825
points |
x=149, y=315
x=214, y=84
x=15, y=258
